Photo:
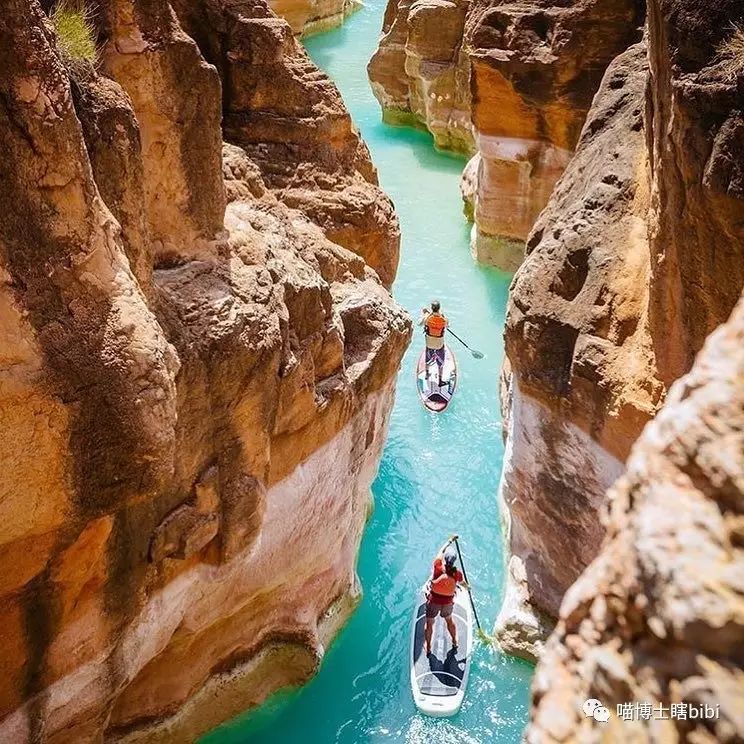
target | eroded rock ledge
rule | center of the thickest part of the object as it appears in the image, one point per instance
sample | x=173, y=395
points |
x=197, y=353
x=510, y=84
x=637, y=258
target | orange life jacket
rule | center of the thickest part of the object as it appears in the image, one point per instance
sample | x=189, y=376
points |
x=436, y=324
x=444, y=586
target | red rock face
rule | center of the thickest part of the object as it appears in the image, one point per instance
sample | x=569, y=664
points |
x=534, y=71
x=419, y=73
x=637, y=257
x=291, y=120
x=572, y=324
x=695, y=132
x=174, y=341
x=513, y=83
x=314, y=16
x=656, y=618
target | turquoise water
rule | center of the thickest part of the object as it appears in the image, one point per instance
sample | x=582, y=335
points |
x=438, y=475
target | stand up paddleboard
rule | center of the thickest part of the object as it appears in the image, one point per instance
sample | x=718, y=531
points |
x=433, y=397
x=438, y=681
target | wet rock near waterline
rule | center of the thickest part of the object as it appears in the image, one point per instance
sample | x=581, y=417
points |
x=657, y=617
x=419, y=72
x=176, y=341
x=510, y=84
x=521, y=629
x=638, y=256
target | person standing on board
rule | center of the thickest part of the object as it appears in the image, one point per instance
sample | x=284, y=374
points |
x=440, y=599
x=435, y=326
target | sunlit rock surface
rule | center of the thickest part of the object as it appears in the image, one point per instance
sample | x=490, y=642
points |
x=419, y=73
x=314, y=16
x=510, y=84
x=291, y=120
x=195, y=382
x=637, y=258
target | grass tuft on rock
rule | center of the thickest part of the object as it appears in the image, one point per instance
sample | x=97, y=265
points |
x=76, y=34
x=731, y=53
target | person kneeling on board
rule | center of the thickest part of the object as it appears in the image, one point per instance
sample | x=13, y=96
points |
x=441, y=595
x=435, y=326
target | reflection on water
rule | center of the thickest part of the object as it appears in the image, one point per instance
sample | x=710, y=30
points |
x=438, y=475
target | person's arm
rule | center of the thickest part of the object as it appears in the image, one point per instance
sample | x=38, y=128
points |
x=424, y=316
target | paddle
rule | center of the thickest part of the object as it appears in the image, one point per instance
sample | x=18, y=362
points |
x=484, y=637
x=477, y=354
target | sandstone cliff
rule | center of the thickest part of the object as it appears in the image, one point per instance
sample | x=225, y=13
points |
x=196, y=369
x=658, y=617
x=637, y=258
x=314, y=16
x=510, y=82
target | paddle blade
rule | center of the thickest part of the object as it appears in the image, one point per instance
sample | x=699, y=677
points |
x=477, y=354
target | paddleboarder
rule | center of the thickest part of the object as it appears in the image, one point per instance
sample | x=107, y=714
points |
x=441, y=593
x=435, y=326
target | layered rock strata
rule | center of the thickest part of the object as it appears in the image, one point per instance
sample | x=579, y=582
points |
x=656, y=620
x=195, y=383
x=510, y=82
x=637, y=258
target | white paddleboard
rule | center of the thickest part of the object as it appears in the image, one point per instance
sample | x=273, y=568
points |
x=436, y=398
x=438, y=681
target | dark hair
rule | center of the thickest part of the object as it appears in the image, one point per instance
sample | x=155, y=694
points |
x=435, y=306
x=450, y=562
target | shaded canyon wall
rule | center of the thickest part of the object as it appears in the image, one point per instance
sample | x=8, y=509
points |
x=637, y=258
x=197, y=354
x=510, y=84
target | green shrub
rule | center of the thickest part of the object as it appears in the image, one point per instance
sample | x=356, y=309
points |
x=731, y=52
x=76, y=33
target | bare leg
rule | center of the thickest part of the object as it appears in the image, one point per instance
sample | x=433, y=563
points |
x=427, y=634
x=439, y=370
x=452, y=628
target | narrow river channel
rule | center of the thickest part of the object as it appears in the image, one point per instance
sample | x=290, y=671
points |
x=438, y=474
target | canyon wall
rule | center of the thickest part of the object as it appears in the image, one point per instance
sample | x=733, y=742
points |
x=637, y=258
x=196, y=369
x=510, y=84
x=657, y=618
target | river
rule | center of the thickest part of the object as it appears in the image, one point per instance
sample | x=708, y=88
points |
x=438, y=474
